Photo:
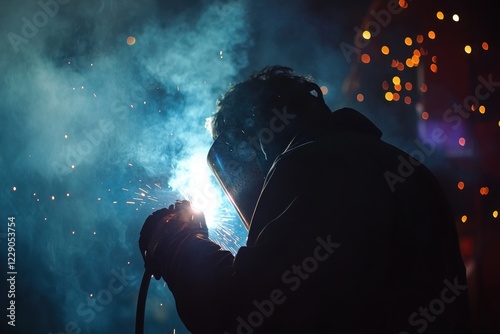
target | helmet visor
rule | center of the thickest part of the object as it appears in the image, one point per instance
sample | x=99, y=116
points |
x=235, y=162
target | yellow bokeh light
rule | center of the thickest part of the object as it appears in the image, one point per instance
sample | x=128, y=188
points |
x=408, y=41
x=468, y=49
x=495, y=214
x=367, y=34
x=431, y=34
x=131, y=40
x=464, y=219
x=409, y=62
x=440, y=15
x=456, y=18
x=396, y=80
x=389, y=96
x=482, y=109
x=385, y=50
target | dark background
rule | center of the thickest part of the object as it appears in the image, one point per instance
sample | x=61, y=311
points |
x=96, y=134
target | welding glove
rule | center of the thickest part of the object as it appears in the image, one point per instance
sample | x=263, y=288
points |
x=162, y=228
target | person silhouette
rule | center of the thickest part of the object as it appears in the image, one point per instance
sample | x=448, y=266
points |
x=340, y=240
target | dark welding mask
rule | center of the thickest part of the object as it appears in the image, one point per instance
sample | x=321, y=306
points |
x=240, y=168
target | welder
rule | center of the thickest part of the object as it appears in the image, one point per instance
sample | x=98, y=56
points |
x=341, y=237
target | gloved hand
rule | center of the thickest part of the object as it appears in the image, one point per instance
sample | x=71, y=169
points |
x=163, y=226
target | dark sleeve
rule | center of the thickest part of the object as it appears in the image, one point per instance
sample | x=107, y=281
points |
x=198, y=273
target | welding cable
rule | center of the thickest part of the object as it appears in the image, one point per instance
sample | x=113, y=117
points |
x=141, y=303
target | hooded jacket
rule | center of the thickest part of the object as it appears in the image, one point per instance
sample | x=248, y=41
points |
x=350, y=235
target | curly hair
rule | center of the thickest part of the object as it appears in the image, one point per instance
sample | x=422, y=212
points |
x=248, y=104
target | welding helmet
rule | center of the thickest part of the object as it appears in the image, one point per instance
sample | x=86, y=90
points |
x=240, y=168
x=257, y=120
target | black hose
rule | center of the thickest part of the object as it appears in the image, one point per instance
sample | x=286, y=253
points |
x=141, y=303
